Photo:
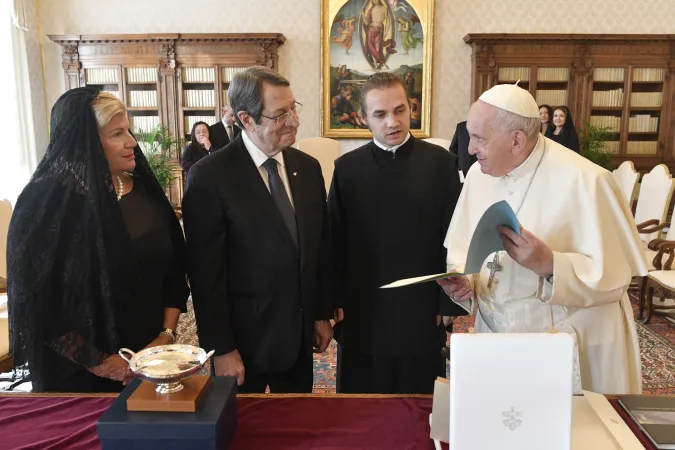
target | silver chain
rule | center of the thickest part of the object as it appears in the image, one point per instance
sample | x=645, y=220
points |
x=529, y=185
x=541, y=158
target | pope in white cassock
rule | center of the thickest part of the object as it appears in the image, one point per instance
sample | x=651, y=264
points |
x=577, y=252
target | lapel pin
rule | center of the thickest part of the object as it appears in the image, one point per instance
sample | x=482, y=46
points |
x=295, y=174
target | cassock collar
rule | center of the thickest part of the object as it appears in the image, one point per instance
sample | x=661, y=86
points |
x=257, y=155
x=394, y=148
x=531, y=162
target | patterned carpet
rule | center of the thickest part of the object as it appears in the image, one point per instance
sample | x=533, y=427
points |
x=657, y=347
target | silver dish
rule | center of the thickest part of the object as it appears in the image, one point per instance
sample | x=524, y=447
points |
x=166, y=365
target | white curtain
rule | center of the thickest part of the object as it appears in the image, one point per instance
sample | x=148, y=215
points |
x=18, y=156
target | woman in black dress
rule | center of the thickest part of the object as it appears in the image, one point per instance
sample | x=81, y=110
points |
x=563, y=130
x=95, y=253
x=199, y=146
x=545, y=115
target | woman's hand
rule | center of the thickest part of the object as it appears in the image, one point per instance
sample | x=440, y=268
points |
x=162, y=339
x=205, y=142
x=113, y=368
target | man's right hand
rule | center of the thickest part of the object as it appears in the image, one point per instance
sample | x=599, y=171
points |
x=338, y=315
x=457, y=288
x=231, y=365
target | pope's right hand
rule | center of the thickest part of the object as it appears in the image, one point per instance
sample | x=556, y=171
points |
x=231, y=365
x=457, y=288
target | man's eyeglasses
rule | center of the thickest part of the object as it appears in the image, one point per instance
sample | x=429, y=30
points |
x=282, y=118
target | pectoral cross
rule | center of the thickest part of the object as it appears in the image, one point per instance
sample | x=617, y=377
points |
x=494, y=267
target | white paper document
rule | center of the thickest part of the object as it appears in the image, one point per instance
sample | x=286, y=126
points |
x=511, y=391
x=440, y=418
x=595, y=423
x=485, y=241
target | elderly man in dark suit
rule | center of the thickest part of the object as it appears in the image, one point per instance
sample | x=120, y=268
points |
x=256, y=228
x=225, y=131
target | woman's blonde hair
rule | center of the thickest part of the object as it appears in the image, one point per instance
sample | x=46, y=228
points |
x=106, y=106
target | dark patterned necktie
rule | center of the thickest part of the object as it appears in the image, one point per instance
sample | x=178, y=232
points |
x=278, y=191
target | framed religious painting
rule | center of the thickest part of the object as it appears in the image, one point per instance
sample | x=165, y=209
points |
x=362, y=37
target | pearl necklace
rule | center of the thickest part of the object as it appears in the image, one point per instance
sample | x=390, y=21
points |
x=121, y=188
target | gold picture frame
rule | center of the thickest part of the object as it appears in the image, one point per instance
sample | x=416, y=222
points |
x=352, y=49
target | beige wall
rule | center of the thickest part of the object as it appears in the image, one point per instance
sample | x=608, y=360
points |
x=298, y=20
x=36, y=81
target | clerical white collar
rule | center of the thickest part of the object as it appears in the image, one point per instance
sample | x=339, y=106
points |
x=257, y=155
x=531, y=162
x=395, y=147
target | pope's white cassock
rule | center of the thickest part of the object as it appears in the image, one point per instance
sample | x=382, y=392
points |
x=577, y=209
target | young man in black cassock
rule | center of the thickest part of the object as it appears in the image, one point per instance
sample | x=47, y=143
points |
x=390, y=205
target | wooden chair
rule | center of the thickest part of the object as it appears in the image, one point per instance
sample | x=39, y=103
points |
x=656, y=191
x=446, y=145
x=326, y=151
x=438, y=141
x=627, y=179
x=660, y=281
x=650, y=214
x=5, y=216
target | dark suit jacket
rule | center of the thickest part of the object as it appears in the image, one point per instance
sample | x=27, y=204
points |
x=218, y=134
x=460, y=147
x=193, y=154
x=253, y=290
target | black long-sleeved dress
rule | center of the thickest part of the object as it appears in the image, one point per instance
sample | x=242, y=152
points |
x=162, y=285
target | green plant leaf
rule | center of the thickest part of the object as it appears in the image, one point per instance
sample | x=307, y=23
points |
x=159, y=145
x=592, y=145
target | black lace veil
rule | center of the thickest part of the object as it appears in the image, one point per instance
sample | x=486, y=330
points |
x=69, y=265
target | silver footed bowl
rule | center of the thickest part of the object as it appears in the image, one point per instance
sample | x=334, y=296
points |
x=166, y=365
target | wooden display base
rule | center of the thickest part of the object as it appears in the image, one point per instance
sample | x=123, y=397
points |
x=145, y=398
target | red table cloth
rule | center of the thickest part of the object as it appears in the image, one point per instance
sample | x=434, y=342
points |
x=328, y=422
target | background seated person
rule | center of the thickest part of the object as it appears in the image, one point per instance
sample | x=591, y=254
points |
x=199, y=146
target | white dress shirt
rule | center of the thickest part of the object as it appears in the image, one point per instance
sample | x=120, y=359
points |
x=394, y=148
x=259, y=159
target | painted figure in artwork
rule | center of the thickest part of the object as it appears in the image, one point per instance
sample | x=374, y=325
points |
x=408, y=39
x=396, y=5
x=342, y=108
x=377, y=33
x=409, y=81
x=346, y=31
x=415, y=113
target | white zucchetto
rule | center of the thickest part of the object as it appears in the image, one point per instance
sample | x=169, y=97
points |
x=513, y=98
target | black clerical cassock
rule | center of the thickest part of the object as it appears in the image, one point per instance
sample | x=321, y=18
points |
x=389, y=214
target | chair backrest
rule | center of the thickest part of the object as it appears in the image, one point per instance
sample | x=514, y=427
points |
x=5, y=215
x=326, y=151
x=440, y=142
x=656, y=191
x=627, y=178
x=670, y=236
x=446, y=145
